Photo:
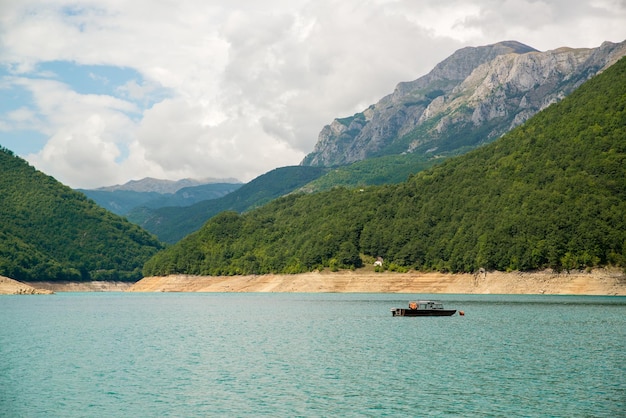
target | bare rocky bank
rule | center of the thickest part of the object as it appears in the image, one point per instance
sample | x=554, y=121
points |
x=13, y=287
x=596, y=282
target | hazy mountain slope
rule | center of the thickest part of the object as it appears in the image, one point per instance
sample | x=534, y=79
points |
x=469, y=99
x=51, y=232
x=551, y=193
x=122, y=201
x=171, y=224
x=161, y=186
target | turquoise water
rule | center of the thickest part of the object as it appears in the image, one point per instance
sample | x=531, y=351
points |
x=174, y=354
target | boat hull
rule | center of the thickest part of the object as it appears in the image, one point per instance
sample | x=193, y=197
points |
x=422, y=312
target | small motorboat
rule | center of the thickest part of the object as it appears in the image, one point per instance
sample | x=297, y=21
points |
x=423, y=308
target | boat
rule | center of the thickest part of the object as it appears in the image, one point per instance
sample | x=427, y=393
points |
x=423, y=308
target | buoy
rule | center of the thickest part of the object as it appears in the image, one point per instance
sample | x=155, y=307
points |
x=461, y=313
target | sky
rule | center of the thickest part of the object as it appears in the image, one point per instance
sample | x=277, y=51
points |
x=100, y=92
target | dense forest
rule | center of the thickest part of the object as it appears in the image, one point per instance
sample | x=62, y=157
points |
x=389, y=169
x=51, y=232
x=551, y=193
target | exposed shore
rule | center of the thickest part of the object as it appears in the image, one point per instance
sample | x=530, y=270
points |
x=597, y=282
x=95, y=286
x=13, y=287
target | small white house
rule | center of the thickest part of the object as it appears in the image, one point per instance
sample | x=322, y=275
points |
x=379, y=261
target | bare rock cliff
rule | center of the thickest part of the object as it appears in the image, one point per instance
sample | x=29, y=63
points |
x=472, y=97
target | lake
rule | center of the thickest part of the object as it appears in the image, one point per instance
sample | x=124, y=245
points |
x=259, y=354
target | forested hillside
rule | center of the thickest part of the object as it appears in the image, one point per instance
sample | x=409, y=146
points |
x=390, y=169
x=551, y=193
x=50, y=232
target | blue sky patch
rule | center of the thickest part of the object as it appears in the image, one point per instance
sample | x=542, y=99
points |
x=89, y=79
x=13, y=96
x=106, y=80
x=15, y=134
x=23, y=143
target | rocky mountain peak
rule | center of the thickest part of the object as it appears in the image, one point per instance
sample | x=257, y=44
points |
x=460, y=65
x=472, y=97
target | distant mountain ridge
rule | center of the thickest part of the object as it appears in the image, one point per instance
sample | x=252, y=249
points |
x=171, y=224
x=122, y=201
x=154, y=193
x=150, y=184
x=471, y=98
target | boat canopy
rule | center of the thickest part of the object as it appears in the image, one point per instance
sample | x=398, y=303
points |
x=425, y=304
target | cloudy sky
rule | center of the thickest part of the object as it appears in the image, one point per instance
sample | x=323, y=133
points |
x=99, y=92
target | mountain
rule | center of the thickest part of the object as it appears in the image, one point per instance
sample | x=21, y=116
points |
x=469, y=99
x=171, y=224
x=160, y=186
x=122, y=200
x=51, y=232
x=550, y=193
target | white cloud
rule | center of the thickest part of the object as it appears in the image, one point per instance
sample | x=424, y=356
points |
x=79, y=151
x=550, y=24
x=138, y=91
x=236, y=89
x=21, y=118
x=172, y=135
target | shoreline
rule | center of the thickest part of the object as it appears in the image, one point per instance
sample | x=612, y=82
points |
x=605, y=282
x=609, y=282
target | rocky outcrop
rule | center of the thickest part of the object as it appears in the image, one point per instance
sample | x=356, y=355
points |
x=473, y=97
x=13, y=287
